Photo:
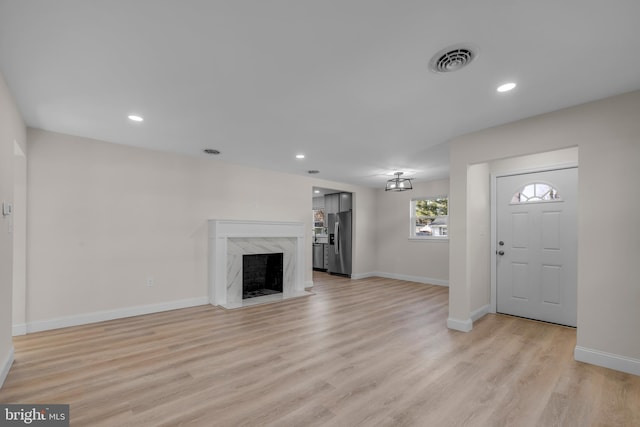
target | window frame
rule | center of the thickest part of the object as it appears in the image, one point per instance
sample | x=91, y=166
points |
x=413, y=219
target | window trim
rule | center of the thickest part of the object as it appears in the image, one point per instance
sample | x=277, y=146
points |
x=413, y=217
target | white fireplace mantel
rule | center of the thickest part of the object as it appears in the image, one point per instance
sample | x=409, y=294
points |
x=229, y=240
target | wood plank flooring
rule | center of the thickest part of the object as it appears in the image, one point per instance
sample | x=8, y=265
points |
x=372, y=352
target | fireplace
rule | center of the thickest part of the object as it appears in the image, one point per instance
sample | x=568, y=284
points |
x=261, y=275
x=230, y=241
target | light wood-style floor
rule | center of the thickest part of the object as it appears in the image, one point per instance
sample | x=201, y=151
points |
x=373, y=352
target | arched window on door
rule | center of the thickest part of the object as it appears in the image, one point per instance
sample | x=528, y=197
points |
x=536, y=192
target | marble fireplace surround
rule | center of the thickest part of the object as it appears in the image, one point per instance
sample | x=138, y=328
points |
x=229, y=240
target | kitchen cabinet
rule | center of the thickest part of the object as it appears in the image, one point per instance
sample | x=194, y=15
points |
x=331, y=203
x=317, y=203
x=345, y=202
x=337, y=202
x=325, y=264
x=318, y=256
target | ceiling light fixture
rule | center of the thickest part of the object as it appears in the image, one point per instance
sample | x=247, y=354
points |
x=399, y=184
x=506, y=87
x=135, y=118
x=299, y=156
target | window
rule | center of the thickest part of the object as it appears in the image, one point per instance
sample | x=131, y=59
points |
x=535, y=192
x=430, y=218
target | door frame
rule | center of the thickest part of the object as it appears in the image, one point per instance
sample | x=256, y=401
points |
x=494, y=218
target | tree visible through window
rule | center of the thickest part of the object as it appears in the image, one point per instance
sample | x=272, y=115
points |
x=430, y=217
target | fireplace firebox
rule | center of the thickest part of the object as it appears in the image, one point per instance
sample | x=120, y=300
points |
x=261, y=274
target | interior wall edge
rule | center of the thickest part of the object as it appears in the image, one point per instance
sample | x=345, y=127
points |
x=6, y=366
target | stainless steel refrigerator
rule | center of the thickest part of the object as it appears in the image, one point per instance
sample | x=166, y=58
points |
x=339, y=228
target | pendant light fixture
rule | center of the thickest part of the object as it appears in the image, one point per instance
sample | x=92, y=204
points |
x=399, y=184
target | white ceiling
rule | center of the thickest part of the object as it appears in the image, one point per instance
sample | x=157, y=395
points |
x=347, y=83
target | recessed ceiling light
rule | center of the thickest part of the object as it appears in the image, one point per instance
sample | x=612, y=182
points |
x=316, y=191
x=506, y=87
x=299, y=156
x=135, y=118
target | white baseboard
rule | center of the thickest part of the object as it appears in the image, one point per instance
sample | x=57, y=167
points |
x=607, y=360
x=358, y=276
x=477, y=314
x=467, y=325
x=19, y=329
x=101, y=316
x=460, y=325
x=418, y=279
x=6, y=366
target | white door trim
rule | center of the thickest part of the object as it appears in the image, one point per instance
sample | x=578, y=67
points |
x=494, y=226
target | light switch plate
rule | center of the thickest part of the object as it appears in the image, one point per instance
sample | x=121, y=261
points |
x=7, y=208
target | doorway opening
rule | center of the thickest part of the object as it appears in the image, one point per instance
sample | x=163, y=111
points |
x=332, y=231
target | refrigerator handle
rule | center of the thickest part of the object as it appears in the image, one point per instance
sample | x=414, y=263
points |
x=337, y=238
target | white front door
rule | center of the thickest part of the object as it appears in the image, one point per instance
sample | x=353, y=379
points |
x=537, y=245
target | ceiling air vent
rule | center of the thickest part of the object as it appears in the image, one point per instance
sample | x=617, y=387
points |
x=452, y=58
